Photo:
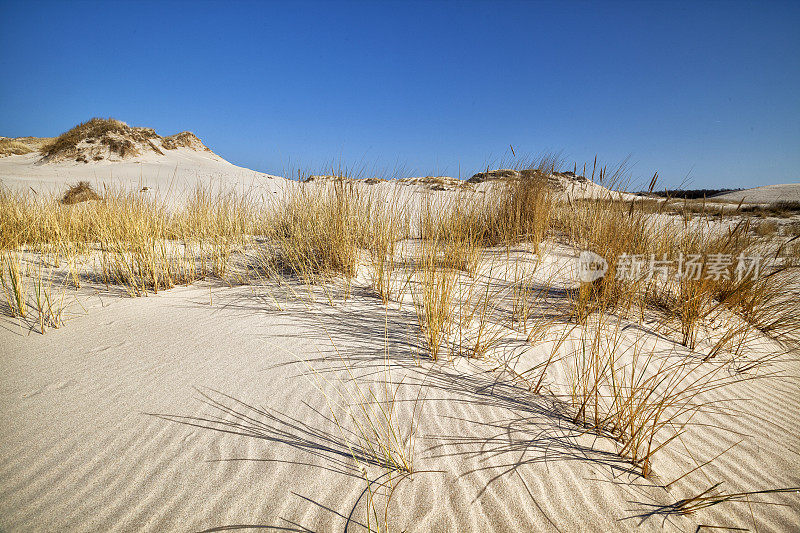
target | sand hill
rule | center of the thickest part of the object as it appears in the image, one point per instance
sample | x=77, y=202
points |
x=110, y=139
x=110, y=152
x=22, y=145
x=788, y=192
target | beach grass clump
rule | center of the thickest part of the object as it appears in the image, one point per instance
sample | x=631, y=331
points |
x=767, y=228
x=623, y=389
x=13, y=147
x=674, y=267
x=454, y=226
x=28, y=291
x=754, y=284
x=389, y=225
x=433, y=292
x=14, y=289
x=317, y=231
x=615, y=231
x=372, y=413
x=49, y=306
x=139, y=241
x=524, y=207
x=479, y=322
x=80, y=192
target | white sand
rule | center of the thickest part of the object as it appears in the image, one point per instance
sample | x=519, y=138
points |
x=82, y=450
x=171, y=175
x=789, y=192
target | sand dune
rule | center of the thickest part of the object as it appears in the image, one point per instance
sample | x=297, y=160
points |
x=195, y=409
x=789, y=192
x=173, y=174
x=229, y=405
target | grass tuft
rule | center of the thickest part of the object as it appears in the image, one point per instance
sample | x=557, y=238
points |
x=80, y=192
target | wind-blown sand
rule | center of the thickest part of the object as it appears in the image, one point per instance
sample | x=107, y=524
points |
x=82, y=449
x=172, y=175
x=788, y=192
x=196, y=409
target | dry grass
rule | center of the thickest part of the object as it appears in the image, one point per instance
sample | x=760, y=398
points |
x=184, y=139
x=116, y=136
x=14, y=289
x=13, y=147
x=80, y=192
x=138, y=242
x=525, y=207
x=67, y=142
x=22, y=145
x=631, y=236
x=317, y=230
x=712, y=496
x=614, y=230
x=622, y=389
x=49, y=306
x=390, y=223
x=453, y=227
x=368, y=416
x=29, y=292
x=767, y=228
x=433, y=293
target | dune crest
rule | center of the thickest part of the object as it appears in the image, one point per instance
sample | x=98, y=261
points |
x=109, y=139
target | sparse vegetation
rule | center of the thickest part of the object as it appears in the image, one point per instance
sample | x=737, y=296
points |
x=316, y=231
x=80, y=192
x=96, y=129
x=443, y=254
x=13, y=147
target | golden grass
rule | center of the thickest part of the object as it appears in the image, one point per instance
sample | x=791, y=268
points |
x=433, y=293
x=767, y=228
x=390, y=224
x=622, y=389
x=13, y=147
x=80, y=192
x=317, y=229
x=14, y=289
x=117, y=135
x=713, y=496
x=138, y=242
x=325, y=229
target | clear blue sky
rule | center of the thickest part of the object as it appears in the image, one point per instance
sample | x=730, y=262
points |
x=710, y=89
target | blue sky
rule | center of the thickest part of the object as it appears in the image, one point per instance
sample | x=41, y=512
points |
x=708, y=90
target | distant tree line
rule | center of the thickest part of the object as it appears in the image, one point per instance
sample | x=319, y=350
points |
x=689, y=194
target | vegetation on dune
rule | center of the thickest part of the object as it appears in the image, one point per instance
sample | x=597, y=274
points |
x=13, y=147
x=96, y=130
x=80, y=192
x=117, y=137
x=22, y=145
x=687, y=194
x=184, y=139
x=438, y=254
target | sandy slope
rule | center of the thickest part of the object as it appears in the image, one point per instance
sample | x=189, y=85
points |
x=789, y=192
x=194, y=409
x=177, y=171
x=170, y=175
x=83, y=449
